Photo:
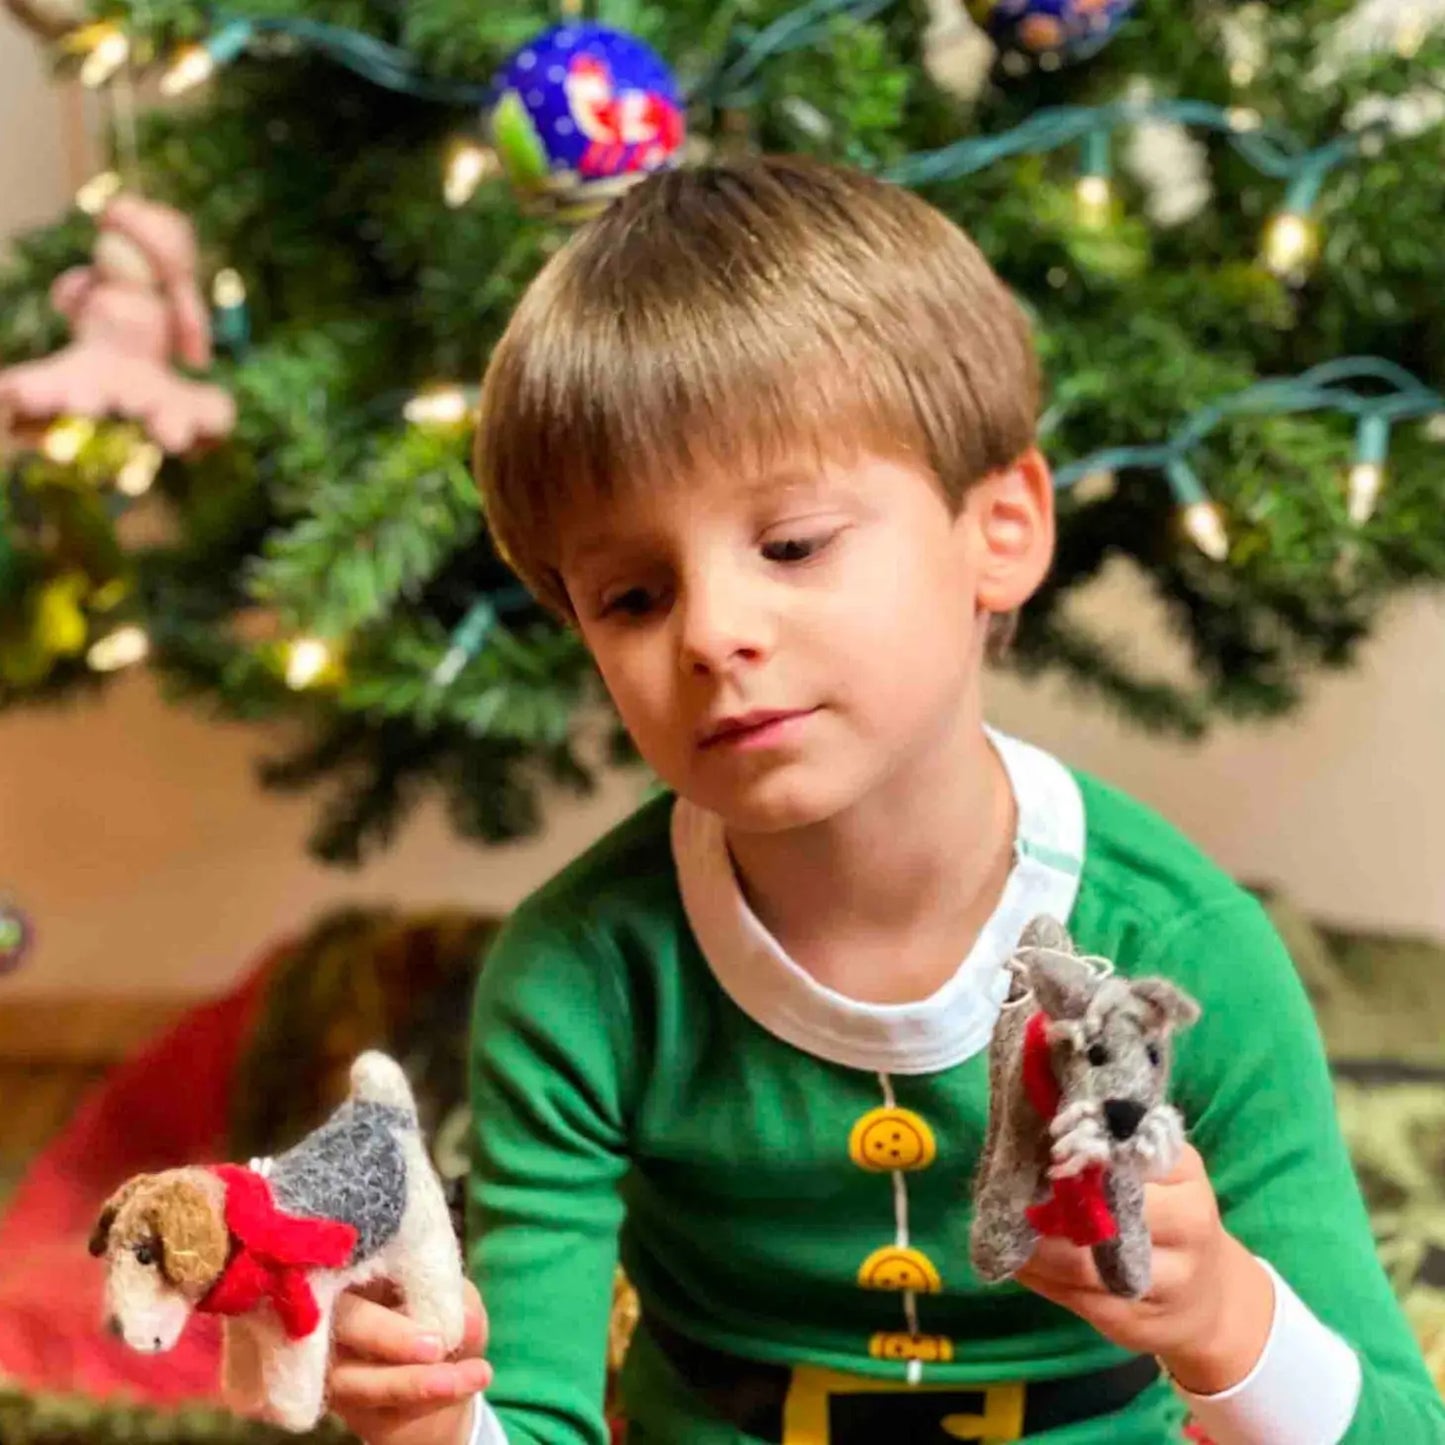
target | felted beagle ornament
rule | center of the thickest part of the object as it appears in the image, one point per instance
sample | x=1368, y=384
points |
x=271, y=1245
x=1078, y=1113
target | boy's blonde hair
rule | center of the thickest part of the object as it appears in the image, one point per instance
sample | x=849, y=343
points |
x=729, y=315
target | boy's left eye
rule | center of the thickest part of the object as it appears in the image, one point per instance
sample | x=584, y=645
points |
x=794, y=549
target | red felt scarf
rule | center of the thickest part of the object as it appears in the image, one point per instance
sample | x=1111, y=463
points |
x=1077, y=1208
x=271, y=1253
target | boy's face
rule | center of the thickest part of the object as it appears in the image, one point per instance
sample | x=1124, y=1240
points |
x=843, y=594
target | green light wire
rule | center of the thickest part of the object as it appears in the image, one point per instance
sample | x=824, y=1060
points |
x=1321, y=388
x=1270, y=149
x=394, y=69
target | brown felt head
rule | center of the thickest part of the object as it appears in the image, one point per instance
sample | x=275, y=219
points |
x=174, y=1222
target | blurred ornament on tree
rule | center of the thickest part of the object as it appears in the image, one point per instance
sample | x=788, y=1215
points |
x=133, y=311
x=1064, y=30
x=16, y=935
x=583, y=112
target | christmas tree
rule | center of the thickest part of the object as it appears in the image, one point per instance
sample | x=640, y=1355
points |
x=1220, y=217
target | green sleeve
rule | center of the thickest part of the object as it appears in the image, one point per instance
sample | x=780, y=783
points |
x=1253, y=1084
x=549, y=1149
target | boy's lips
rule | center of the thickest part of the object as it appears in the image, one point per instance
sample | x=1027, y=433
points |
x=742, y=724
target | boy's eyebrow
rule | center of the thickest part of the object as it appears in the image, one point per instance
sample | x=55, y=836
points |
x=586, y=549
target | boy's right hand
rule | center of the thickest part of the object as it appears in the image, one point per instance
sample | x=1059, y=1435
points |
x=390, y=1388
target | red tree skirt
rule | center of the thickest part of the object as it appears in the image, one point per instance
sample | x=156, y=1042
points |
x=167, y=1106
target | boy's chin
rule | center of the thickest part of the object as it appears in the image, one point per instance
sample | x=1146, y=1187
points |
x=775, y=805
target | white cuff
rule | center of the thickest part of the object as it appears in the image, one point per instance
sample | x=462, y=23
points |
x=1302, y=1390
x=486, y=1428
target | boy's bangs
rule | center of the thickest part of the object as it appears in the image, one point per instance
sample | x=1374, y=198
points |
x=646, y=412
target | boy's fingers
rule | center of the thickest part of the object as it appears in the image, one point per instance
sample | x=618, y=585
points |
x=1190, y=1165
x=363, y=1327
x=474, y=1336
x=421, y=1421
x=382, y=1290
x=1182, y=1208
x=354, y=1384
x=1060, y=1265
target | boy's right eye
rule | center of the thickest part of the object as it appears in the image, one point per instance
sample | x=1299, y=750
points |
x=635, y=602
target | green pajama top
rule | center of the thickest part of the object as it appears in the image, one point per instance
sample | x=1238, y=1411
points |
x=788, y=1171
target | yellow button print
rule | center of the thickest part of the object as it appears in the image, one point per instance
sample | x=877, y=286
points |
x=931, y=1349
x=887, y=1139
x=895, y=1268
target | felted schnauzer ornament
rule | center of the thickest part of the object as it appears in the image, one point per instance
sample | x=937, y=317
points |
x=272, y=1245
x=1078, y=1117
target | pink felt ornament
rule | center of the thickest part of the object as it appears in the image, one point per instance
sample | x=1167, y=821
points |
x=133, y=311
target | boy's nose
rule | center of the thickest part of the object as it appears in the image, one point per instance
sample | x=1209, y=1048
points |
x=1123, y=1117
x=719, y=631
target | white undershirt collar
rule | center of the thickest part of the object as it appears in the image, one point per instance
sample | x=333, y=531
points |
x=922, y=1037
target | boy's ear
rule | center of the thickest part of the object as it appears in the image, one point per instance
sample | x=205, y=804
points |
x=1013, y=513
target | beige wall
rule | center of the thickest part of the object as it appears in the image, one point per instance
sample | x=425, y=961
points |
x=35, y=131
x=135, y=836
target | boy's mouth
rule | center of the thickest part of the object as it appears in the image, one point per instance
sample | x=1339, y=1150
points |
x=748, y=725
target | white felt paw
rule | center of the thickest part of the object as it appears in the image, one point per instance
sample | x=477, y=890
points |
x=1080, y=1139
x=1158, y=1141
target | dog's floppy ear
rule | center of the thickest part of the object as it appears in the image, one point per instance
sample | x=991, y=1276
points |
x=1045, y=931
x=1169, y=1006
x=100, y=1235
x=189, y=1225
x=1062, y=984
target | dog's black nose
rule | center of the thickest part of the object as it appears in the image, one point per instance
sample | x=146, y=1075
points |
x=113, y=1325
x=1123, y=1117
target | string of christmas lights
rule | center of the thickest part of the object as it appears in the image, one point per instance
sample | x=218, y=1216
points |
x=1290, y=237
x=106, y=49
x=1323, y=387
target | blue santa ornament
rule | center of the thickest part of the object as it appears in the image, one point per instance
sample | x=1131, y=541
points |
x=1066, y=30
x=583, y=112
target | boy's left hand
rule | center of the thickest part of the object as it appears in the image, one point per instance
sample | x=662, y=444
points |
x=1208, y=1310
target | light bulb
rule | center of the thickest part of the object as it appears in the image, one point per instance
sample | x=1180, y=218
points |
x=135, y=478
x=228, y=289
x=469, y=166
x=306, y=659
x=1093, y=195
x=194, y=66
x=110, y=51
x=1206, y=529
x=1409, y=36
x=1366, y=479
x=1289, y=243
x=95, y=195
x=447, y=670
x=122, y=648
x=1095, y=486
x=63, y=439
x=446, y=407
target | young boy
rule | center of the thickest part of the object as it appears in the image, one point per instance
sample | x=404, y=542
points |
x=764, y=434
